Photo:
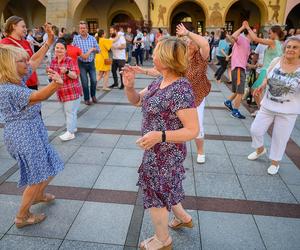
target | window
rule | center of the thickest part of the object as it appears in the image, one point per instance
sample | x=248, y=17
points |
x=200, y=27
x=229, y=25
x=92, y=25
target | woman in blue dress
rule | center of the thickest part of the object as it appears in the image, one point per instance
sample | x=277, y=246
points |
x=25, y=135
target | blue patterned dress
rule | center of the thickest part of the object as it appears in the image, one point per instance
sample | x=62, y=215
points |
x=25, y=135
x=161, y=172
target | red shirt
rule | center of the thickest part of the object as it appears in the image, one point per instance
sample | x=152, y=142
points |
x=33, y=80
x=74, y=52
x=71, y=89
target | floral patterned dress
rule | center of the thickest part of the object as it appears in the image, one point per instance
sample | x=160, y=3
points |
x=25, y=135
x=161, y=172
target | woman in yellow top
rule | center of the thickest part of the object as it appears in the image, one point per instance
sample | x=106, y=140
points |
x=102, y=68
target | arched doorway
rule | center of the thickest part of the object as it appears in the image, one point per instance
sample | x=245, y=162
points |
x=101, y=14
x=293, y=20
x=240, y=11
x=189, y=13
x=32, y=11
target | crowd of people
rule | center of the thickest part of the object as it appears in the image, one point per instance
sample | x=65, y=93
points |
x=172, y=104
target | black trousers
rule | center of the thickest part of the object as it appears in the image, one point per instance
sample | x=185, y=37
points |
x=117, y=64
x=223, y=65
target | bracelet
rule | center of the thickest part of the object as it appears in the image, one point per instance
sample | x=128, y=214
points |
x=46, y=46
x=163, y=136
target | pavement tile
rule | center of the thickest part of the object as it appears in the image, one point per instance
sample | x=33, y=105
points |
x=266, y=188
x=183, y=239
x=125, y=157
x=290, y=174
x=101, y=140
x=212, y=129
x=218, y=185
x=78, y=175
x=65, y=151
x=228, y=231
x=9, y=205
x=90, y=155
x=215, y=163
x=16, y=242
x=239, y=148
x=117, y=178
x=80, y=138
x=211, y=147
x=230, y=130
x=3, y=153
x=279, y=233
x=243, y=166
x=6, y=164
x=79, y=245
x=295, y=189
x=113, y=124
x=189, y=184
x=128, y=142
x=60, y=216
x=97, y=221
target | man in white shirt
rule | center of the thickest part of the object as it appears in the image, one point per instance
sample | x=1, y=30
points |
x=119, y=57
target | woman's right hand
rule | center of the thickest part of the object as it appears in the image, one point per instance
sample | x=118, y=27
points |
x=128, y=76
x=54, y=76
x=258, y=91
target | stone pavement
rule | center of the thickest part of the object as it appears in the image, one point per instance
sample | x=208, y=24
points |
x=234, y=203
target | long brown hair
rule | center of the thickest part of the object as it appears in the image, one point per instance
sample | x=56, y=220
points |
x=10, y=22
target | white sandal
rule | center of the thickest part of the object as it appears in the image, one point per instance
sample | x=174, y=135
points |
x=144, y=244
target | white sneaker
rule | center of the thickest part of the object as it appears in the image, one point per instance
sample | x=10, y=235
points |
x=273, y=169
x=201, y=159
x=67, y=136
x=253, y=156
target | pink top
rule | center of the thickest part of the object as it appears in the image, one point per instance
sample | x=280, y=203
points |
x=240, y=52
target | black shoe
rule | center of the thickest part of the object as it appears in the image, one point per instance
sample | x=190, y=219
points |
x=94, y=99
x=122, y=87
x=113, y=86
x=87, y=102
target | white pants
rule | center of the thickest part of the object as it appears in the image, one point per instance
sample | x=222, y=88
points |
x=200, y=111
x=283, y=126
x=70, y=108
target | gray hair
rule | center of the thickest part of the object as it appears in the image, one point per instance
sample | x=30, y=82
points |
x=291, y=38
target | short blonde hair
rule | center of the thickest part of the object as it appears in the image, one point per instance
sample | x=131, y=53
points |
x=8, y=63
x=172, y=53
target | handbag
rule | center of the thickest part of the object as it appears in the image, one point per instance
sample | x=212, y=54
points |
x=108, y=61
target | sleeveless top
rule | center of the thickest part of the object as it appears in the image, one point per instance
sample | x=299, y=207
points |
x=196, y=74
x=270, y=54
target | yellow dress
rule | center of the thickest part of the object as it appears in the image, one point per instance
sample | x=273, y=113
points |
x=105, y=45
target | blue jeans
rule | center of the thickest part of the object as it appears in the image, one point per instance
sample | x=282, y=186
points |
x=85, y=69
x=129, y=51
x=71, y=109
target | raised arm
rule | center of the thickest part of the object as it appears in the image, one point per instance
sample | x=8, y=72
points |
x=236, y=34
x=256, y=39
x=201, y=42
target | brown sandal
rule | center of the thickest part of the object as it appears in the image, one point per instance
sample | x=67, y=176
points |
x=30, y=219
x=144, y=244
x=181, y=223
x=47, y=198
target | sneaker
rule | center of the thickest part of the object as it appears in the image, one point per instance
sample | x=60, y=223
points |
x=67, y=136
x=201, y=159
x=253, y=156
x=273, y=169
x=235, y=113
x=228, y=105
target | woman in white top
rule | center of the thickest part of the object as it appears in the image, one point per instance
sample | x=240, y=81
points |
x=280, y=104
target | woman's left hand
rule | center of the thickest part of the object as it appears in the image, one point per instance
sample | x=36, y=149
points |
x=150, y=139
x=50, y=32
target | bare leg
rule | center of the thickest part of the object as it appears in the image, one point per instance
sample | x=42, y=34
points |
x=105, y=82
x=180, y=213
x=29, y=195
x=159, y=217
x=41, y=193
x=260, y=150
x=275, y=163
x=200, y=143
x=232, y=97
x=237, y=101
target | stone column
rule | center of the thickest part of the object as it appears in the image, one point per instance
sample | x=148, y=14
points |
x=57, y=13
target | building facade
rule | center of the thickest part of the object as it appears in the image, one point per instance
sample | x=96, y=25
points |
x=201, y=14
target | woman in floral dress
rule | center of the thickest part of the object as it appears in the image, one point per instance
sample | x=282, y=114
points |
x=25, y=135
x=169, y=119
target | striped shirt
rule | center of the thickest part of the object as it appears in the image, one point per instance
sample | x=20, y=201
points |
x=85, y=44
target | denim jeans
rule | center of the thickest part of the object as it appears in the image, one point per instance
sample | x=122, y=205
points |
x=85, y=69
x=70, y=109
x=129, y=52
